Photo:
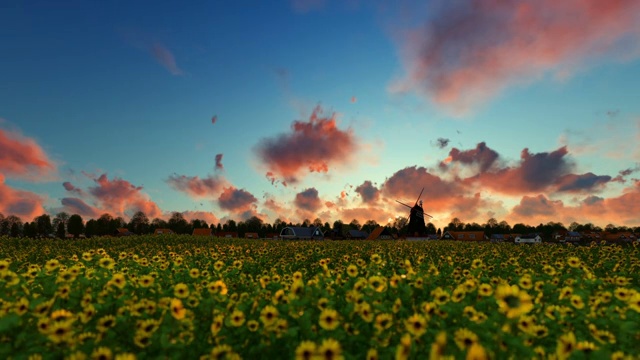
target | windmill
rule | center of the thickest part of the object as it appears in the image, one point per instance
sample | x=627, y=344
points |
x=416, y=217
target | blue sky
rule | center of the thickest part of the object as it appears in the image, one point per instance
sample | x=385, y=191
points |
x=129, y=90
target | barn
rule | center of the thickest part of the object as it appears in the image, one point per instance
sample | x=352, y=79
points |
x=299, y=232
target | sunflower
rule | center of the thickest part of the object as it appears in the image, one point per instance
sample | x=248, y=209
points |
x=566, y=344
x=458, y=294
x=218, y=287
x=322, y=303
x=372, y=354
x=329, y=319
x=416, y=325
x=464, y=338
x=383, y=322
x=106, y=263
x=145, y=280
x=352, y=270
x=634, y=302
x=4, y=265
x=60, y=332
x=216, y=324
x=526, y=323
x=102, y=353
x=181, y=290
x=306, y=350
x=118, y=280
x=21, y=306
x=378, y=283
x=237, y=318
x=125, y=356
x=105, y=323
x=476, y=352
x=177, y=309
x=51, y=265
x=376, y=259
x=330, y=349
x=586, y=347
x=268, y=315
x=512, y=301
x=485, y=290
x=404, y=348
x=573, y=261
x=438, y=346
x=577, y=301
x=365, y=312
x=252, y=325
x=526, y=282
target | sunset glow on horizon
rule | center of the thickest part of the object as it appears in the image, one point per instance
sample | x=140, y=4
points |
x=522, y=111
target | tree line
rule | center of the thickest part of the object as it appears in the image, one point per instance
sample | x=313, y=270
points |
x=63, y=225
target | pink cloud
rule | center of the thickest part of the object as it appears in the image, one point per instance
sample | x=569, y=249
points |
x=472, y=51
x=120, y=197
x=72, y=189
x=368, y=192
x=165, y=57
x=23, y=204
x=312, y=146
x=207, y=216
x=405, y=185
x=482, y=156
x=78, y=206
x=214, y=119
x=219, y=165
x=23, y=157
x=236, y=200
x=197, y=187
x=308, y=200
x=354, y=99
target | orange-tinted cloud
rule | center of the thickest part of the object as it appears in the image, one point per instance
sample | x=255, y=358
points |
x=165, y=57
x=471, y=51
x=219, y=165
x=545, y=171
x=236, y=200
x=120, y=197
x=23, y=204
x=312, y=146
x=23, y=157
x=308, y=200
x=214, y=118
x=482, y=156
x=74, y=205
x=368, y=192
x=405, y=185
x=197, y=187
x=207, y=216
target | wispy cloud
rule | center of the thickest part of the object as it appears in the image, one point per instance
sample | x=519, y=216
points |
x=166, y=58
x=22, y=157
x=23, y=204
x=471, y=51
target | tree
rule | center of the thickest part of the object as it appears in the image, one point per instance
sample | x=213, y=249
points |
x=337, y=226
x=306, y=223
x=60, y=232
x=75, y=225
x=8, y=223
x=16, y=229
x=30, y=229
x=317, y=222
x=400, y=223
x=43, y=225
x=139, y=223
x=230, y=225
x=103, y=225
x=456, y=224
x=60, y=218
x=91, y=228
x=355, y=224
x=177, y=223
x=431, y=229
x=369, y=226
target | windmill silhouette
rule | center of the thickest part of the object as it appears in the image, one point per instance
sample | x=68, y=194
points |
x=417, y=226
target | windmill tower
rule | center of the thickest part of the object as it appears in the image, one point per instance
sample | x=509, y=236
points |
x=417, y=225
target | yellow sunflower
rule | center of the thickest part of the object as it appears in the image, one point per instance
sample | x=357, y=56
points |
x=306, y=350
x=329, y=319
x=512, y=301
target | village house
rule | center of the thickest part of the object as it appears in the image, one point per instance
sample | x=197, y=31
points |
x=298, y=232
x=380, y=233
x=163, y=231
x=464, y=235
x=251, y=235
x=227, y=234
x=528, y=239
x=357, y=234
x=202, y=232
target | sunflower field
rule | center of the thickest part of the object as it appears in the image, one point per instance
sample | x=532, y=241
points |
x=199, y=298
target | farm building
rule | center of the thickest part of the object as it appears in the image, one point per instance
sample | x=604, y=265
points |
x=273, y=236
x=380, y=233
x=227, y=234
x=528, y=239
x=464, y=235
x=251, y=235
x=162, y=231
x=202, y=232
x=122, y=232
x=357, y=235
x=296, y=232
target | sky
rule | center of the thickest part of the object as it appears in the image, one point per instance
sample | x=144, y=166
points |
x=525, y=111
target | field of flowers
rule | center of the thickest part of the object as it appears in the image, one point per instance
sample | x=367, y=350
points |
x=186, y=297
